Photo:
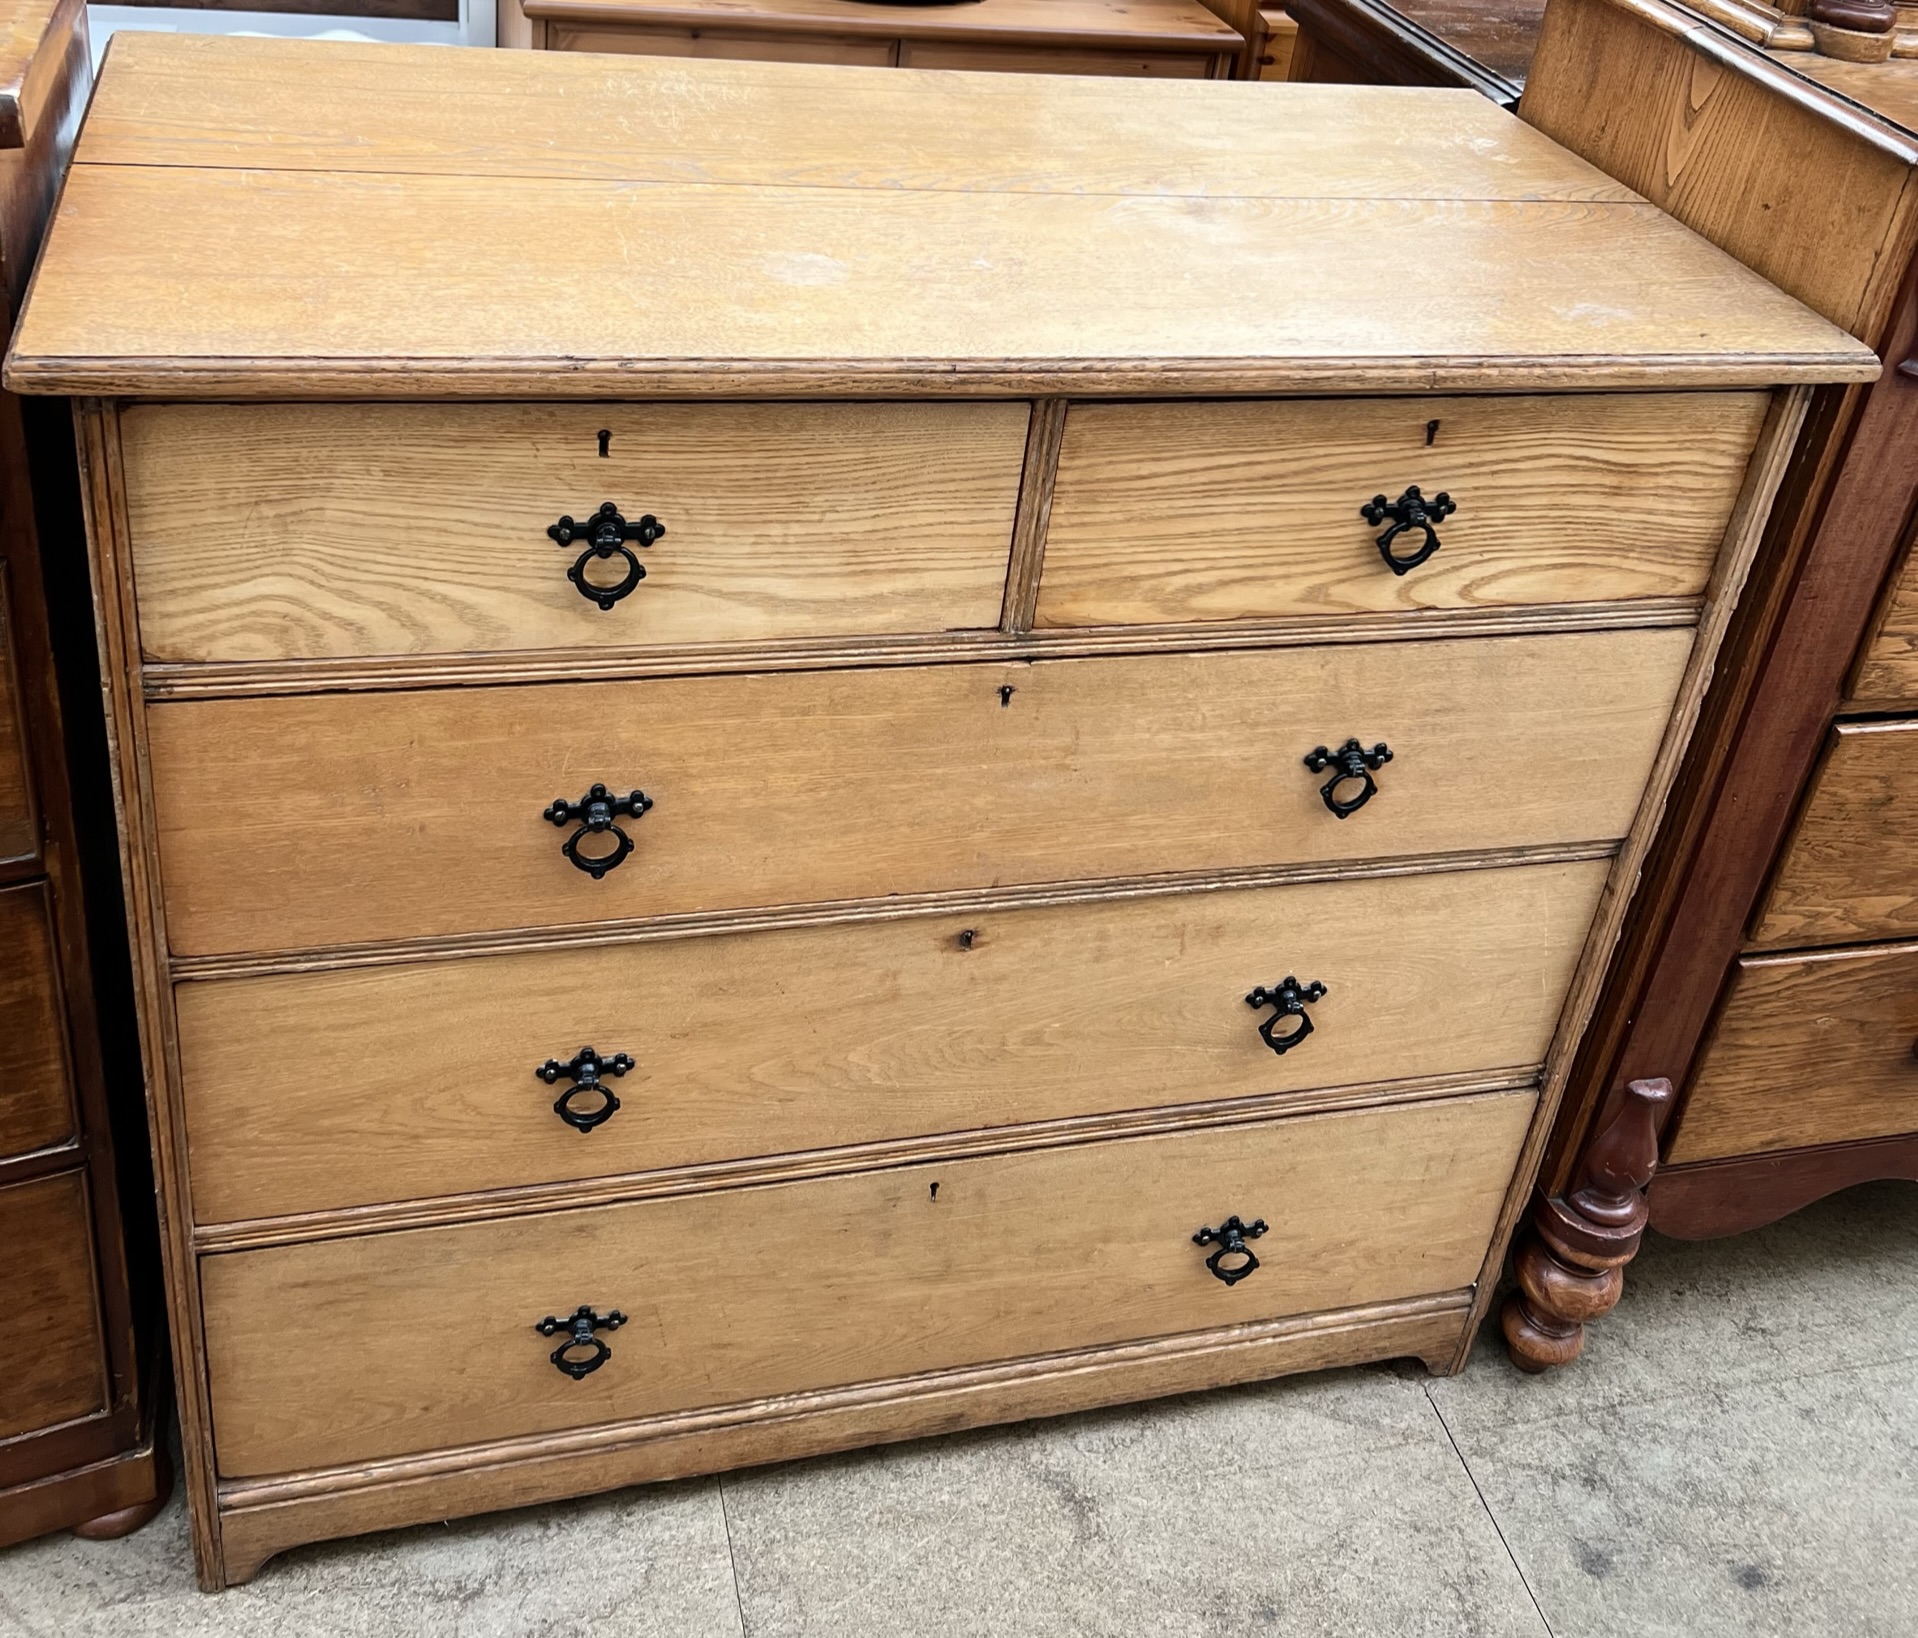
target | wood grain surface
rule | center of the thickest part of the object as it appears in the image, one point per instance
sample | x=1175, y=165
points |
x=291, y=823
x=1809, y=191
x=937, y=54
x=724, y=45
x=204, y=100
x=1139, y=25
x=19, y=815
x=1809, y=1050
x=52, y=1353
x=288, y=531
x=265, y=275
x=745, y=1294
x=310, y=1092
x=1888, y=667
x=36, y=1091
x=1850, y=870
x=1197, y=511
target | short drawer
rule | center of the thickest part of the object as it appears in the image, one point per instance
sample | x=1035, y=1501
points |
x=1809, y=1049
x=1174, y=512
x=342, y=1351
x=1163, y=65
x=1888, y=668
x=290, y=531
x=727, y=45
x=1850, y=870
x=292, y=823
x=52, y=1352
x=308, y=1092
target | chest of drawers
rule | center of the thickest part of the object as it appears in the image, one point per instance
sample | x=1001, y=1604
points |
x=780, y=798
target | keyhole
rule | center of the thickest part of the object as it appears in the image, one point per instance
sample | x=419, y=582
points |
x=606, y=438
x=1006, y=691
x=935, y=1192
x=1431, y=435
x=967, y=937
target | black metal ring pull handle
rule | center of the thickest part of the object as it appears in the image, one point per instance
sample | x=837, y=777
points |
x=1354, y=764
x=1290, y=999
x=606, y=533
x=594, y=814
x=587, y=1072
x=1410, y=511
x=579, y=1329
x=1230, y=1237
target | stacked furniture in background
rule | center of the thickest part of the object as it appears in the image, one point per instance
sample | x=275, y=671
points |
x=839, y=812
x=79, y=1280
x=1175, y=39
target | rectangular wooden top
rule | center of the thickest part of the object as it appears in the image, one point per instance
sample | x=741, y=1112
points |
x=1133, y=25
x=277, y=217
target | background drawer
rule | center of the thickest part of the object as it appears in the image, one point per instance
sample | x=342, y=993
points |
x=19, y=824
x=52, y=1353
x=317, y=1355
x=1810, y=1049
x=284, y=531
x=1035, y=60
x=1888, y=668
x=288, y=823
x=1850, y=870
x=1219, y=511
x=306, y=1092
x=36, y=1095
x=730, y=45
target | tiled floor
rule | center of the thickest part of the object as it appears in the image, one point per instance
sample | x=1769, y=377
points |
x=1737, y=1454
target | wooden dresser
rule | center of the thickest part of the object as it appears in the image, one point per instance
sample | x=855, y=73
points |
x=79, y=1277
x=767, y=815
x=1175, y=39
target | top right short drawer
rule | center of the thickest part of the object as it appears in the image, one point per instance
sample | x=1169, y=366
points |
x=1180, y=512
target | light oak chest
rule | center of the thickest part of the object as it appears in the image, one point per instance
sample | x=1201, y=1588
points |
x=813, y=757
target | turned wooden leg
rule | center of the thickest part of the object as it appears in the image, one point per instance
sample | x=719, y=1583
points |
x=1571, y=1263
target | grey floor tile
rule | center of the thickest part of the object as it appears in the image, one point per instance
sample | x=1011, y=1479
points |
x=1835, y=1285
x=640, y=1563
x=1325, y=1505
x=1785, y=1509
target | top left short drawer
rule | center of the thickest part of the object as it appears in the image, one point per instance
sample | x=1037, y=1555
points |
x=295, y=531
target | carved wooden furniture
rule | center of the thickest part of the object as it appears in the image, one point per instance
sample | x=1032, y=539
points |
x=767, y=817
x=1766, y=972
x=79, y=1348
x=1179, y=39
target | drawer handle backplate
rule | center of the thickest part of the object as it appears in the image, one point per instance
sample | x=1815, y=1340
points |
x=579, y=1329
x=1290, y=999
x=606, y=533
x=1410, y=511
x=1230, y=1237
x=594, y=814
x=1354, y=763
x=587, y=1072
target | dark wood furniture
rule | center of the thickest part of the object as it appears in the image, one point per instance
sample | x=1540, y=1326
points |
x=1767, y=973
x=1482, y=45
x=77, y=1355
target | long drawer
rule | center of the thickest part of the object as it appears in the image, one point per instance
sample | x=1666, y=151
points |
x=1850, y=870
x=298, y=822
x=312, y=1091
x=1220, y=511
x=348, y=1350
x=287, y=531
x=1809, y=1049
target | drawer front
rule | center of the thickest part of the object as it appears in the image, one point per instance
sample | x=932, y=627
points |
x=1221, y=511
x=1888, y=668
x=1810, y=1049
x=347, y=1350
x=267, y=532
x=293, y=823
x=305, y=1092
x=1031, y=60
x=36, y=1099
x=1850, y=871
x=729, y=46
x=19, y=825
x=52, y=1350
